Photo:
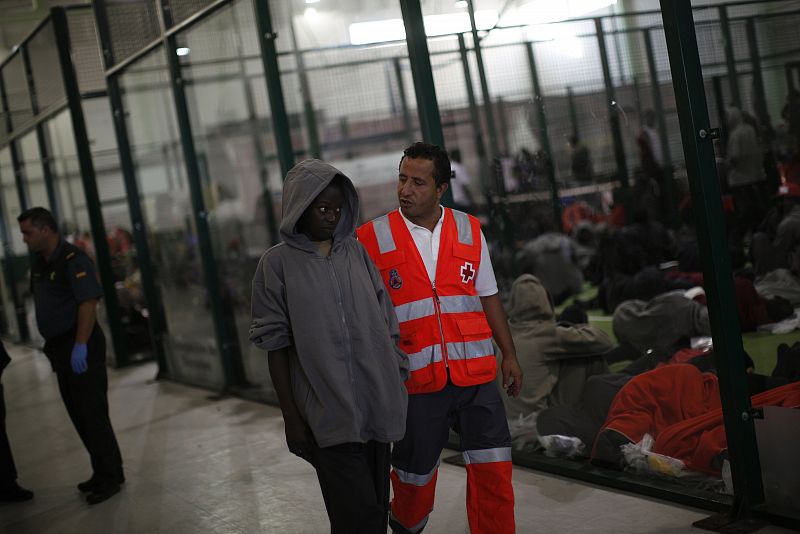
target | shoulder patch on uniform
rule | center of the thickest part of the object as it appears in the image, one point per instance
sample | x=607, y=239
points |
x=80, y=274
x=70, y=255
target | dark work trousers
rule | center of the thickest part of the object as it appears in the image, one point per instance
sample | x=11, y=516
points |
x=85, y=398
x=8, y=472
x=354, y=478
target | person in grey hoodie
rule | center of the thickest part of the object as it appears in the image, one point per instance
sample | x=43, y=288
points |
x=320, y=309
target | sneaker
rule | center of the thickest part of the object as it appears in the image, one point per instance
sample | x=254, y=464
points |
x=15, y=493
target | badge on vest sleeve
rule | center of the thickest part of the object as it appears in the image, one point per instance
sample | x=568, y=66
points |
x=467, y=272
x=395, y=282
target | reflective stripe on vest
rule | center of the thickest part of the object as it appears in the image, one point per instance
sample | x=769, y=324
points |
x=414, y=310
x=425, y=357
x=463, y=226
x=383, y=232
x=460, y=304
x=469, y=349
x=485, y=456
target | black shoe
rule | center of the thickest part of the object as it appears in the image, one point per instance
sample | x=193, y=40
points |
x=15, y=493
x=89, y=485
x=102, y=491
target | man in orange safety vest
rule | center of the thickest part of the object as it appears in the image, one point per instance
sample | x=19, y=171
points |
x=436, y=267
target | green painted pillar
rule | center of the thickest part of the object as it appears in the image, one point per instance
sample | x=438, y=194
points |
x=89, y=181
x=698, y=149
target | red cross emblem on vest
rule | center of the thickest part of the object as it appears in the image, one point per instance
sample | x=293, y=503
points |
x=467, y=272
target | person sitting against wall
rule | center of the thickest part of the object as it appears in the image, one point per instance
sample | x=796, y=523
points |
x=556, y=357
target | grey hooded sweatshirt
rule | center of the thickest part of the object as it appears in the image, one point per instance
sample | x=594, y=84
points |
x=335, y=317
x=556, y=359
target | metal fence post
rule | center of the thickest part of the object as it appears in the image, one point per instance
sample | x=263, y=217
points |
x=701, y=170
x=544, y=139
x=8, y=271
x=157, y=324
x=310, y=116
x=8, y=263
x=494, y=151
x=427, y=106
x=759, y=94
x=401, y=92
x=730, y=58
x=89, y=181
x=277, y=104
x=19, y=172
x=41, y=138
x=222, y=315
x=613, y=113
x=573, y=112
x=480, y=148
x=669, y=205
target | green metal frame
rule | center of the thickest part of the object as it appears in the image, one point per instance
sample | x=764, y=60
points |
x=541, y=110
x=613, y=113
x=707, y=206
x=402, y=94
x=19, y=171
x=41, y=138
x=89, y=181
x=730, y=58
x=480, y=147
x=668, y=203
x=157, y=324
x=269, y=60
x=491, y=130
x=8, y=262
x=222, y=315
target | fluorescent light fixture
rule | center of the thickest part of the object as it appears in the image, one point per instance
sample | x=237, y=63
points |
x=543, y=11
x=312, y=1
x=461, y=4
x=182, y=51
x=380, y=31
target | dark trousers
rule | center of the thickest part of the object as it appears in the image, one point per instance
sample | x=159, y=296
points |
x=354, y=478
x=86, y=402
x=8, y=471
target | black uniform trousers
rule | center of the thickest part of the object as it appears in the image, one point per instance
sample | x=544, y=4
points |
x=354, y=478
x=85, y=398
x=8, y=471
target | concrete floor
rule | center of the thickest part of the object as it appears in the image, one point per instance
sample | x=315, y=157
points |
x=198, y=464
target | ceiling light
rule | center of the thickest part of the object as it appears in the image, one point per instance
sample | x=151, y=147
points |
x=182, y=51
x=461, y=4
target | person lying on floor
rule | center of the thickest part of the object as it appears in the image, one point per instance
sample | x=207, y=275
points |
x=557, y=357
x=679, y=406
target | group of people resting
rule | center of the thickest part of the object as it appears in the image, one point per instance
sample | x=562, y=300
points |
x=649, y=282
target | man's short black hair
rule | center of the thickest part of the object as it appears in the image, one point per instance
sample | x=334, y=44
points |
x=39, y=217
x=441, y=162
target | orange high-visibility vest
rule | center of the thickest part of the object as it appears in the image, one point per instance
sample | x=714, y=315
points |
x=442, y=324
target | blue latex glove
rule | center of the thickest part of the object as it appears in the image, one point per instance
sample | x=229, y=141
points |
x=79, y=358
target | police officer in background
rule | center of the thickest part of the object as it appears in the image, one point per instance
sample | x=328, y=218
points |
x=10, y=491
x=66, y=290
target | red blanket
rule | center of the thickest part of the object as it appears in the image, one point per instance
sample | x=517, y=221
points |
x=680, y=407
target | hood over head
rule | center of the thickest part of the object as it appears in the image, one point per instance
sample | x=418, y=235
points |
x=304, y=182
x=529, y=301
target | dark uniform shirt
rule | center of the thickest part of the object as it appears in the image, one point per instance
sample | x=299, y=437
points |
x=59, y=285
